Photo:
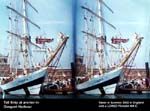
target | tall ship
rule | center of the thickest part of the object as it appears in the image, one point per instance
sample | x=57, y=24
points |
x=105, y=80
x=25, y=75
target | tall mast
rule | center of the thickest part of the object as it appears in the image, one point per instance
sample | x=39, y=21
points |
x=25, y=37
x=100, y=27
x=11, y=36
x=24, y=20
x=86, y=40
x=92, y=47
x=101, y=38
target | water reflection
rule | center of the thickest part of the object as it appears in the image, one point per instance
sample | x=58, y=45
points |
x=81, y=96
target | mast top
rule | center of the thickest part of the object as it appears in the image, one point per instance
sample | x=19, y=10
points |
x=21, y=15
x=98, y=16
x=101, y=1
x=31, y=6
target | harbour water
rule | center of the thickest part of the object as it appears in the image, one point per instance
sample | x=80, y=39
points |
x=123, y=102
x=80, y=96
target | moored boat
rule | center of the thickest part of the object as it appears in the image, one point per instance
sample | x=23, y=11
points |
x=29, y=78
x=108, y=76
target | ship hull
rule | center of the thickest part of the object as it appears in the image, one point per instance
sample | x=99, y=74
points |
x=103, y=84
x=27, y=84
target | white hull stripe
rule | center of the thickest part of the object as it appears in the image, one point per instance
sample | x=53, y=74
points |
x=24, y=86
x=101, y=85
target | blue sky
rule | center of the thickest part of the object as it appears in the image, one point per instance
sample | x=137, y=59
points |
x=129, y=16
x=56, y=15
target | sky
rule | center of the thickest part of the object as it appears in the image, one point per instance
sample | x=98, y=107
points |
x=129, y=16
x=55, y=16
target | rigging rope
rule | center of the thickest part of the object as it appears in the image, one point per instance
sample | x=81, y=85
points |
x=131, y=61
x=55, y=63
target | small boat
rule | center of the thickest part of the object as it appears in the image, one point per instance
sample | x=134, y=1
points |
x=55, y=88
x=132, y=87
